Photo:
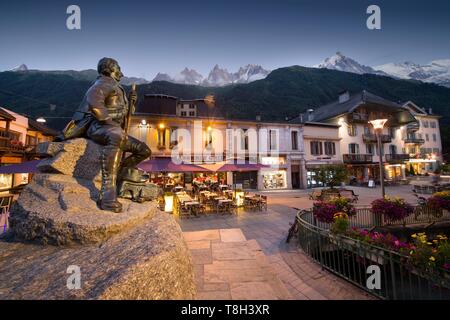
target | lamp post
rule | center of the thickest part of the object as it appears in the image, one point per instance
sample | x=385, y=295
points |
x=378, y=125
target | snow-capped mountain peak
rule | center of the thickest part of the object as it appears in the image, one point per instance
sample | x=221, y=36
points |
x=22, y=67
x=218, y=77
x=437, y=71
x=342, y=63
x=249, y=73
x=189, y=76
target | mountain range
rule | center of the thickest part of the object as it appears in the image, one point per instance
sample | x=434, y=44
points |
x=285, y=92
x=437, y=71
x=217, y=77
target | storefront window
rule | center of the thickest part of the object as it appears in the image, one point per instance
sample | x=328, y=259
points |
x=6, y=181
x=274, y=179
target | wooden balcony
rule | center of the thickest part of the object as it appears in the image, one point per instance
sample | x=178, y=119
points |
x=396, y=158
x=414, y=126
x=414, y=140
x=357, y=158
x=358, y=117
x=372, y=138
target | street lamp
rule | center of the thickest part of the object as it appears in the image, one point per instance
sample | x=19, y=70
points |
x=378, y=125
x=41, y=120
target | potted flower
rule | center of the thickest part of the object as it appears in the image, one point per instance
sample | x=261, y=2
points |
x=324, y=211
x=394, y=209
x=344, y=205
x=439, y=201
x=340, y=223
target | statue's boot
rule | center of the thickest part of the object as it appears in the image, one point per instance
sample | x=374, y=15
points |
x=108, y=193
x=139, y=152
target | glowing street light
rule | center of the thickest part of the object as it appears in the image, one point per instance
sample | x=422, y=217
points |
x=378, y=125
x=41, y=120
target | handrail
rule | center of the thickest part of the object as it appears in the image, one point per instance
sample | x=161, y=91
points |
x=349, y=258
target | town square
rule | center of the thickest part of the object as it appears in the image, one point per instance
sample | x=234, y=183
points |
x=304, y=182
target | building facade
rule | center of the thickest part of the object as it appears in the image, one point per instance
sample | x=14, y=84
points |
x=337, y=133
x=422, y=141
x=198, y=134
x=19, y=136
x=410, y=137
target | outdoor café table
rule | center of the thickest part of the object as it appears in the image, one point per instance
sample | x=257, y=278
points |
x=178, y=188
x=224, y=205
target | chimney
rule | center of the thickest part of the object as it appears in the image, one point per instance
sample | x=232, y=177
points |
x=310, y=114
x=344, y=96
x=430, y=111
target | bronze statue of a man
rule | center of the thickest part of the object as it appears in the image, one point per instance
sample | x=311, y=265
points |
x=101, y=117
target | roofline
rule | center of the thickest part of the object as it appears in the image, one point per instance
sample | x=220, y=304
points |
x=321, y=124
x=214, y=119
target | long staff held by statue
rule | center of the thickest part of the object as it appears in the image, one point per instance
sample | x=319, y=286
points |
x=131, y=110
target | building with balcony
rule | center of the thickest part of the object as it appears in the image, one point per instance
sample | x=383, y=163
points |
x=423, y=140
x=357, y=139
x=19, y=136
x=196, y=132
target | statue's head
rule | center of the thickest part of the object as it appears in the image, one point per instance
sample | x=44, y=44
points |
x=109, y=67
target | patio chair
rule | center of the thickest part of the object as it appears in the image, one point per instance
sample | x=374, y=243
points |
x=184, y=212
x=263, y=203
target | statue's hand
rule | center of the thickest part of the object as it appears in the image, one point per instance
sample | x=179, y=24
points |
x=133, y=97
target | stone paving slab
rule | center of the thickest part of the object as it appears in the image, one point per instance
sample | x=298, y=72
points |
x=230, y=267
x=302, y=277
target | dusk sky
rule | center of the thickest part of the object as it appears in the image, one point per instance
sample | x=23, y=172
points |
x=147, y=37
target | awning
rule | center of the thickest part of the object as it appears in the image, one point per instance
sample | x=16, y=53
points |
x=167, y=165
x=233, y=167
x=24, y=167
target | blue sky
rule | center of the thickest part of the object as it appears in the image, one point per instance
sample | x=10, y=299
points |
x=151, y=36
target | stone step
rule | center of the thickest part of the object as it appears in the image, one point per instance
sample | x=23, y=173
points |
x=228, y=266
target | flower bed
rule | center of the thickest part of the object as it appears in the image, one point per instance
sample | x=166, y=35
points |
x=325, y=211
x=440, y=201
x=392, y=209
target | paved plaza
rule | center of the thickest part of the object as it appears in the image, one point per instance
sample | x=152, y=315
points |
x=303, y=278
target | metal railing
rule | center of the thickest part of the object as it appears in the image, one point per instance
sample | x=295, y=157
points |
x=396, y=157
x=357, y=158
x=364, y=218
x=414, y=140
x=371, y=137
x=350, y=259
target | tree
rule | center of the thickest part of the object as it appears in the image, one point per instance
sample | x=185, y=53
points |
x=331, y=175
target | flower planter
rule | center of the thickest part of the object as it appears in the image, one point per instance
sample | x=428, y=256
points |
x=375, y=255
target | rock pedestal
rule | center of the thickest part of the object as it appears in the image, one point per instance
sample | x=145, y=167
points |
x=136, y=254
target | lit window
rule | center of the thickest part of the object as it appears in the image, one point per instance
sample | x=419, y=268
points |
x=352, y=130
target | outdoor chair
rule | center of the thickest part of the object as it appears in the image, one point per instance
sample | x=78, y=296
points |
x=5, y=205
x=263, y=203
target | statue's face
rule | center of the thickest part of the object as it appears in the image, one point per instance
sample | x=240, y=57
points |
x=116, y=73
